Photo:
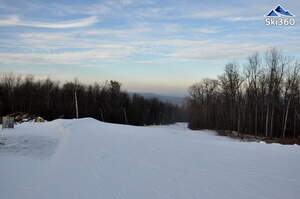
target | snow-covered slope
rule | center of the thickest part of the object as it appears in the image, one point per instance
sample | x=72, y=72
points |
x=85, y=158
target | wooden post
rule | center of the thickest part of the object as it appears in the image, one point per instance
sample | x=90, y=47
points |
x=101, y=112
x=286, y=116
x=267, y=121
x=125, y=115
x=76, y=105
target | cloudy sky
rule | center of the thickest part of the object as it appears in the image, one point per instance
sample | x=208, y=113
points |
x=159, y=46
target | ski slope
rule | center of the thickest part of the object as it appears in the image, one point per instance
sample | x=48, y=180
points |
x=85, y=158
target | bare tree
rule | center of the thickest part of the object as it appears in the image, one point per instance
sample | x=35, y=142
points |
x=252, y=75
x=291, y=90
x=263, y=101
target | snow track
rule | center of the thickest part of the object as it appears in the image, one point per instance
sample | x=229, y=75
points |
x=91, y=159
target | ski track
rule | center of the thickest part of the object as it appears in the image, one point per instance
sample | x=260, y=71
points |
x=91, y=159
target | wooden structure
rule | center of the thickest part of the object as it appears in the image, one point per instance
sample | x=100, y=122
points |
x=39, y=119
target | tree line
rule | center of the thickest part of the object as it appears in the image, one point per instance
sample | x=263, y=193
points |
x=262, y=99
x=51, y=100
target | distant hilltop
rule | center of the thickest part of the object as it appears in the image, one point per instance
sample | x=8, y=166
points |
x=164, y=98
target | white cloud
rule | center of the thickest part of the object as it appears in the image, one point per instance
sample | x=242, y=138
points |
x=10, y=20
x=14, y=20
x=173, y=28
x=241, y=18
x=127, y=2
x=215, y=51
x=171, y=43
x=115, y=32
x=206, y=30
x=73, y=39
x=210, y=14
x=79, y=57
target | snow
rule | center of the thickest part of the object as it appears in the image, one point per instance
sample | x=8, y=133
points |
x=86, y=158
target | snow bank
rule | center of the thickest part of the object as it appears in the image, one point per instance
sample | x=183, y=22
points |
x=86, y=158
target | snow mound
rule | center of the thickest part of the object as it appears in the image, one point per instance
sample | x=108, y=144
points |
x=86, y=158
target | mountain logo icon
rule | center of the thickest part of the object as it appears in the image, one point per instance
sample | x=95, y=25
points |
x=280, y=17
x=279, y=11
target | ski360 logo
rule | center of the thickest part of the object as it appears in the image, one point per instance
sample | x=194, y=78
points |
x=280, y=17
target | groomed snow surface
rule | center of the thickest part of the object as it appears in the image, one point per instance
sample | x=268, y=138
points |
x=85, y=158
